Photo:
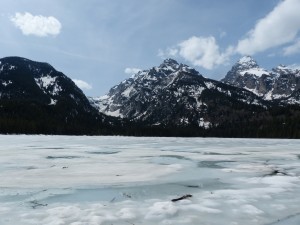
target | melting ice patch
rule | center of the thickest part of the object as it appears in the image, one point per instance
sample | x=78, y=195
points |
x=124, y=180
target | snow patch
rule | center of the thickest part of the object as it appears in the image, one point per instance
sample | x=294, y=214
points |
x=255, y=71
x=204, y=124
x=210, y=85
x=53, y=102
x=116, y=113
x=5, y=83
x=268, y=96
x=279, y=96
x=293, y=101
x=184, y=120
x=127, y=92
x=255, y=91
x=12, y=67
x=245, y=60
x=45, y=82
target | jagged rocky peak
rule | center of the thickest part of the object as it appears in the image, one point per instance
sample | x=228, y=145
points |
x=169, y=64
x=170, y=61
x=283, y=69
x=247, y=74
x=172, y=93
x=247, y=61
x=279, y=83
x=245, y=66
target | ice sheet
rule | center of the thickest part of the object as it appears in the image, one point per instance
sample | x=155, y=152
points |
x=60, y=180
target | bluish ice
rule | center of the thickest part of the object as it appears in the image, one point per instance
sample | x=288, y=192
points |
x=63, y=180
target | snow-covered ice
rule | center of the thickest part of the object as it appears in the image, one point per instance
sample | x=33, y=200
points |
x=62, y=180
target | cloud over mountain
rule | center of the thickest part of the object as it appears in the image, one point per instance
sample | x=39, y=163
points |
x=82, y=84
x=277, y=28
x=200, y=51
x=131, y=71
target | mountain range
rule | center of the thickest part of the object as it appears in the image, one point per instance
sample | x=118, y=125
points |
x=171, y=99
x=280, y=84
x=174, y=94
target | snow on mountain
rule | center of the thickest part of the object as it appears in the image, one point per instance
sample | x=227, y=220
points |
x=277, y=84
x=255, y=71
x=21, y=78
x=46, y=82
x=285, y=70
x=247, y=62
x=171, y=93
x=36, y=98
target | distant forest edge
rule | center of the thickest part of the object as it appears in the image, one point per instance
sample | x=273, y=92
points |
x=17, y=118
x=170, y=100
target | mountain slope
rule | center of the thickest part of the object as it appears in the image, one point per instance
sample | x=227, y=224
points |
x=174, y=94
x=35, y=98
x=280, y=84
x=23, y=79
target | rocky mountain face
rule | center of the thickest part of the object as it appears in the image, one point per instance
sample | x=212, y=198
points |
x=281, y=84
x=174, y=94
x=171, y=99
x=23, y=79
x=36, y=98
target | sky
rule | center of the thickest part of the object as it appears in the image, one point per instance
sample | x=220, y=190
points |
x=99, y=43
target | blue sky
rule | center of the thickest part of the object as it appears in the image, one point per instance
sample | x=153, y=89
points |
x=100, y=42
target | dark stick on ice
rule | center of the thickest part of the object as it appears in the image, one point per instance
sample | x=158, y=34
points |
x=182, y=197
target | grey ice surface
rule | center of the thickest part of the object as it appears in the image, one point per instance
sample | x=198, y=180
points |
x=62, y=180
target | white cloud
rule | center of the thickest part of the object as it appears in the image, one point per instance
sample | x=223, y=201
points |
x=170, y=52
x=292, y=49
x=223, y=34
x=200, y=51
x=132, y=70
x=82, y=84
x=204, y=52
x=294, y=66
x=36, y=25
x=279, y=27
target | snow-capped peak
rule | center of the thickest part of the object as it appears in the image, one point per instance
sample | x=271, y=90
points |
x=294, y=67
x=169, y=64
x=280, y=83
x=247, y=65
x=170, y=61
x=247, y=62
x=282, y=69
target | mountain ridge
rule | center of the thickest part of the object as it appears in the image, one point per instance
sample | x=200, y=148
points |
x=277, y=84
x=36, y=98
x=169, y=89
x=171, y=99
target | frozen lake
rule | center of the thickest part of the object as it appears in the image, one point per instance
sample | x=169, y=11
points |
x=63, y=180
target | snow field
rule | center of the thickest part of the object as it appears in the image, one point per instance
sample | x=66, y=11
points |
x=60, y=180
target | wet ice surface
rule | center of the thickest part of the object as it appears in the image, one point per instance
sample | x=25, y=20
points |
x=57, y=180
